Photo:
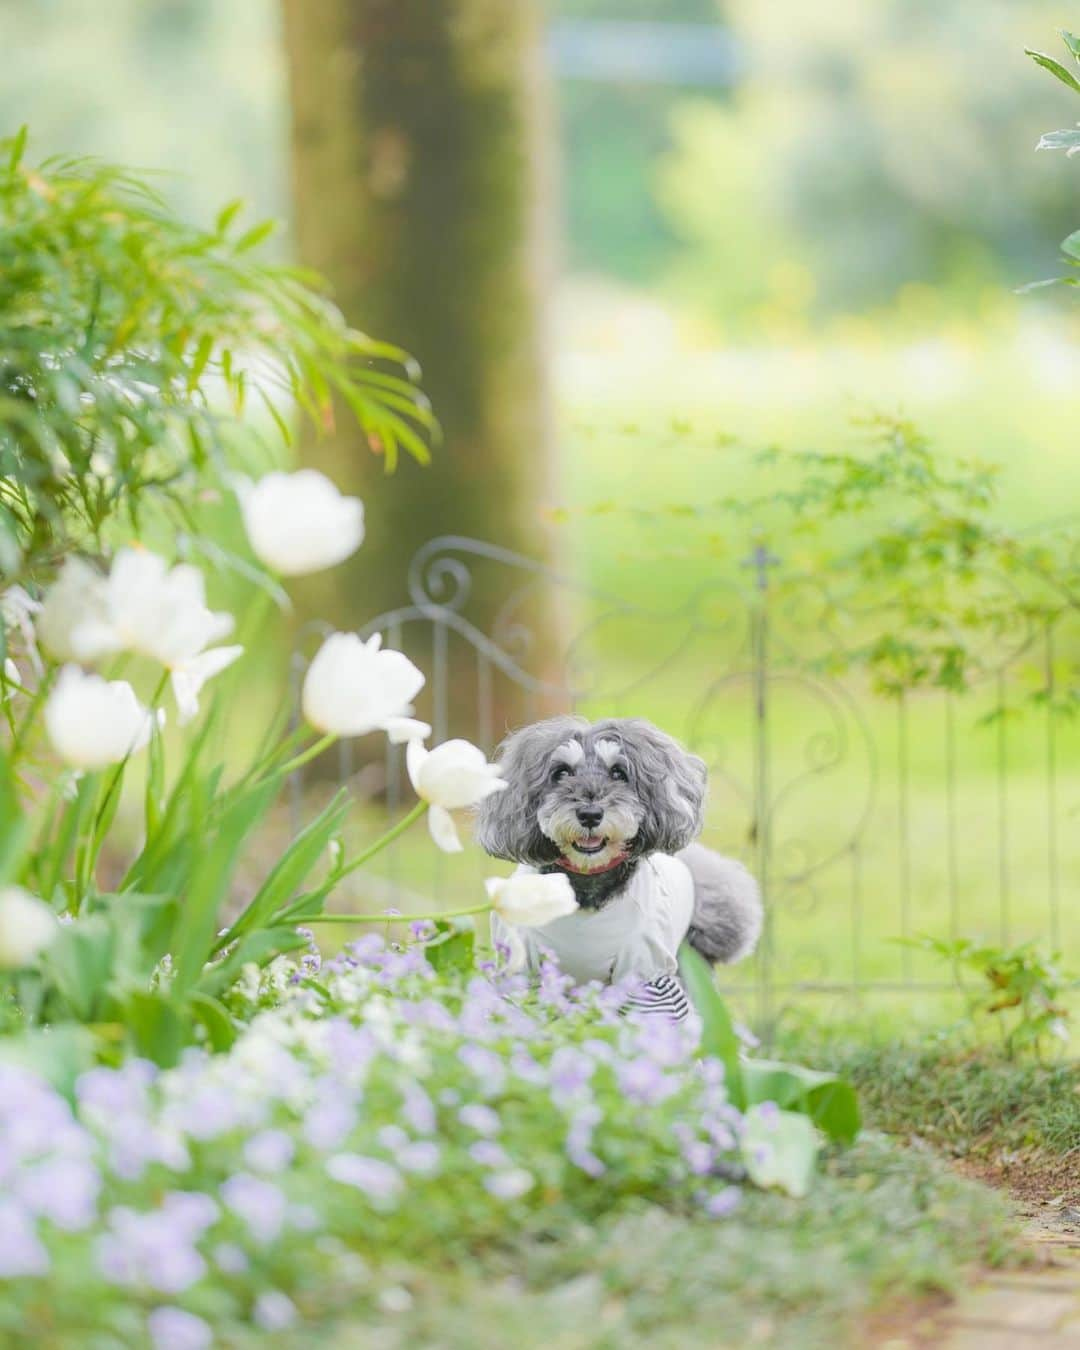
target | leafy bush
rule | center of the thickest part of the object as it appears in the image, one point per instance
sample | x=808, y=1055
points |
x=130, y=343
x=1021, y=989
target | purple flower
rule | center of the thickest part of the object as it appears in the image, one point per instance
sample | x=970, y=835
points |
x=116, y=1092
x=21, y=1250
x=273, y=1310
x=329, y=1122
x=642, y=1080
x=423, y=1156
x=260, y=1204
x=175, y=1329
x=378, y=1180
x=269, y=1151
x=570, y=1072
x=485, y=1065
x=482, y=1119
x=510, y=1184
x=230, y=1258
x=488, y=1154
x=523, y=1066
x=351, y=1048
x=150, y=1249
x=206, y=1111
x=64, y=1190
x=392, y=1137
x=418, y=1109
x=722, y=1203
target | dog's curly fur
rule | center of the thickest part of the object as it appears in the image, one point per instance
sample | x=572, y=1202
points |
x=593, y=799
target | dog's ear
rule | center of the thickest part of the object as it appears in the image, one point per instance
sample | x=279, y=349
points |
x=506, y=825
x=671, y=785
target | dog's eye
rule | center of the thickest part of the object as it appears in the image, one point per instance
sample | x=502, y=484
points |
x=560, y=772
x=619, y=774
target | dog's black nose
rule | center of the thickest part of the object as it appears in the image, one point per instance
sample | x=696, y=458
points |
x=590, y=816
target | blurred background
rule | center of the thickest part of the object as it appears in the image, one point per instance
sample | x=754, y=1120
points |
x=629, y=243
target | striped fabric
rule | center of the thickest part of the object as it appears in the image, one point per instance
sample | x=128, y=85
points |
x=664, y=995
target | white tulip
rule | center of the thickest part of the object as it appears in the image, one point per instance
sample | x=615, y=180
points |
x=143, y=606
x=299, y=522
x=453, y=775
x=76, y=600
x=153, y=609
x=353, y=687
x=93, y=722
x=27, y=926
x=531, y=899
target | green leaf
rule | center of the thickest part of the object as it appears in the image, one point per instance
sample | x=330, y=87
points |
x=18, y=146
x=256, y=948
x=255, y=236
x=828, y=1100
x=14, y=827
x=156, y=1025
x=59, y=1054
x=293, y=866
x=779, y=1150
x=1071, y=41
x=196, y=927
x=453, y=949
x=1071, y=244
x=718, y=1036
x=1055, y=68
x=220, y=1028
x=79, y=963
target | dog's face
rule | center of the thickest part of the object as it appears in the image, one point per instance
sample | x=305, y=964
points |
x=588, y=796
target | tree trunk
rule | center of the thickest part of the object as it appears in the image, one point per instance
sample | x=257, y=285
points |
x=422, y=191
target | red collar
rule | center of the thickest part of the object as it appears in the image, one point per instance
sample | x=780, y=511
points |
x=567, y=866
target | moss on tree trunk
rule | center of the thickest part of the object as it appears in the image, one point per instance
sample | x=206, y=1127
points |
x=422, y=191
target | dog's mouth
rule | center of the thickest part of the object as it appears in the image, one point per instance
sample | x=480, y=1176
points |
x=592, y=843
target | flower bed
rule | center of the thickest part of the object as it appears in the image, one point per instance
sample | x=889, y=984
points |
x=372, y=1106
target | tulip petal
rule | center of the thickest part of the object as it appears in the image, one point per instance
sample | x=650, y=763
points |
x=415, y=755
x=401, y=730
x=188, y=679
x=442, y=827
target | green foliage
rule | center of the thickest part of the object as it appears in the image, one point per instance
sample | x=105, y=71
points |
x=130, y=344
x=906, y=564
x=1067, y=139
x=823, y=1099
x=1022, y=989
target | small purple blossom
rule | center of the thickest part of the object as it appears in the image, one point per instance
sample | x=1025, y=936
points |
x=22, y=1252
x=269, y=1151
x=230, y=1258
x=485, y=1065
x=273, y=1310
x=259, y=1203
x=422, y=1156
x=722, y=1203
x=377, y=1179
x=176, y=1329
x=64, y=1190
x=488, y=1154
x=476, y=1116
x=418, y=1109
x=570, y=1072
x=511, y=1184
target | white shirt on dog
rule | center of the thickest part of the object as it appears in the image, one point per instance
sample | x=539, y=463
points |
x=636, y=935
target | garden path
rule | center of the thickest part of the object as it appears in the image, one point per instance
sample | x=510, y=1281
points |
x=1036, y=1307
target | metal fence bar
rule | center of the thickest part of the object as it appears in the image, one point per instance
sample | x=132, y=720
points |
x=1001, y=765
x=904, y=831
x=952, y=856
x=1051, y=792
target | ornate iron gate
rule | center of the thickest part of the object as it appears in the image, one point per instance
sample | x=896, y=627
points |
x=865, y=819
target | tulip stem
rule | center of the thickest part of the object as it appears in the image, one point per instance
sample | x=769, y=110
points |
x=387, y=838
x=400, y=918
x=298, y=761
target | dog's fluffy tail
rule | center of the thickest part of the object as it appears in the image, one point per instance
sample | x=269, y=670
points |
x=727, y=906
